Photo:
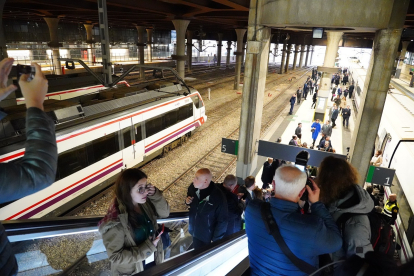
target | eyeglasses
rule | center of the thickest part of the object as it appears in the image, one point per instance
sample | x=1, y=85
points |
x=142, y=189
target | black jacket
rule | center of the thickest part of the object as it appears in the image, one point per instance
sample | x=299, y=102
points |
x=269, y=172
x=235, y=209
x=34, y=172
x=208, y=215
x=298, y=131
x=246, y=196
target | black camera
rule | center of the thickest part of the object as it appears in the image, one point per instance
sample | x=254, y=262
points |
x=301, y=163
x=25, y=69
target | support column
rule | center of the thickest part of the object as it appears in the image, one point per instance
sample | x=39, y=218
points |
x=295, y=57
x=189, y=50
x=332, y=46
x=52, y=23
x=219, y=45
x=180, y=27
x=141, y=45
x=240, y=34
x=3, y=48
x=89, y=41
x=302, y=50
x=307, y=55
x=149, y=45
x=106, y=51
x=275, y=52
x=312, y=50
x=228, y=53
x=258, y=45
x=376, y=85
x=289, y=48
x=243, y=52
x=282, y=63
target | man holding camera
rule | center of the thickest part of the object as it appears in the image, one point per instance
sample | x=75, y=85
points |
x=306, y=235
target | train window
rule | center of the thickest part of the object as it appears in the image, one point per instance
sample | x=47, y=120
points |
x=170, y=118
x=138, y=133
x=185, y=112
x=71, y=161
x=102, y=147
x=196, y=101
x=153, y=126
x=126, y=133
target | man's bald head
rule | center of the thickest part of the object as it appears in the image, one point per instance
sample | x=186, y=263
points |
x=392, y=197
x=289, y=182
x=202, y=178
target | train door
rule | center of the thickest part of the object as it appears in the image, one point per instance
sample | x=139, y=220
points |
x=138, y=135
x=127, y=143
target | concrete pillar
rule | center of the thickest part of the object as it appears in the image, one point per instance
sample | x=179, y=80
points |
x=52, y=23
x=312, y=50
x=180, y=27
x=373, y=97
x=282, y=63
x=295, y=57
x=307, y=55
x=332, y=46
x=243, y=52
x=240, y=34
x=302, y=50
x=89, y=41
x=200, y=48
x=228, y=53
x=149, y=45
x=289, y=48
x=219, y=45
x=189, y=50
x=258, y=45
x=3, y=48
x=141, y=45
x=275, y=52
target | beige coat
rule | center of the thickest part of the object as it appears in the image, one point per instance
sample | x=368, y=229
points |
x=125, y=255
x=343, y=102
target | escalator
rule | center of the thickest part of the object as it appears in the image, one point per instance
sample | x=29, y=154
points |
x=73, y=246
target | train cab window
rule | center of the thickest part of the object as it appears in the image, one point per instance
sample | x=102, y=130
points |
x=196, y=101
x=170, y=118
x=153, y=126
x=185, y=112
x=71, y=161
x=102, y=147
x=138, y=132
x=126, y=133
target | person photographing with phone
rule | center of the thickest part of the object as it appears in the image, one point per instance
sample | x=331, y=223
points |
x=306, y=236
x=129, y=229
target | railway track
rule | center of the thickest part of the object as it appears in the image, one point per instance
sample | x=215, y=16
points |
x=220, y=163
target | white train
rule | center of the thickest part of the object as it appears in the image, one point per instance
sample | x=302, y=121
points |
x=100, y=134
x=396, y=140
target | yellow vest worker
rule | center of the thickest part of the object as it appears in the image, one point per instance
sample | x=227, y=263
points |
x=391, y=208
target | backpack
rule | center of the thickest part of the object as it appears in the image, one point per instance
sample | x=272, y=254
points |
x=382, y=235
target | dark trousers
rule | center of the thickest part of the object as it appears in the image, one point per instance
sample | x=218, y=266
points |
x=298, y=98
x=198, y=243
x=291, y=109
x=345, y=121
x=305, y=94
x=313, y=105
x=333, y=122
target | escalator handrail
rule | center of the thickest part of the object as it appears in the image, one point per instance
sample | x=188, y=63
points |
x=42, y=225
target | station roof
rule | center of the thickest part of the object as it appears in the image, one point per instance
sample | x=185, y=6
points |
x=209, y=16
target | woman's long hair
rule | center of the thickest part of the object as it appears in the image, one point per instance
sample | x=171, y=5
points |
x=336, y=178
x=123, y=186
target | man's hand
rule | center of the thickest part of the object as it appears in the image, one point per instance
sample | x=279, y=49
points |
x=5, y=68
x=188, y=200
x=240, y=195
x=34, y=91
x=150, y=189
x=313, y=194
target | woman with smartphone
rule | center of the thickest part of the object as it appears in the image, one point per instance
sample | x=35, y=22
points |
x=129, y=229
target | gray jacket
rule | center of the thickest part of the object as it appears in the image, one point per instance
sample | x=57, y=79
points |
x=327, y=130
x=357, y=232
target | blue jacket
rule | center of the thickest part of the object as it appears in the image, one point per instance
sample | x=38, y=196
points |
x=317, y=127
x=307, y=236
x=292, y=100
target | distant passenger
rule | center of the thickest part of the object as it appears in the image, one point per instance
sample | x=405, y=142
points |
x=247, y=189
x=208, y=210
x=334, y=115
x=391, y=209
x=293, y=141
x=298, y=130
x=129, y=230
x=299, y=94
x=292, y=103
x=327, y=128
x=351, y=91
x=235, y=206
x=341, y=194
x=36, y=170
x=307, y=236
x=346, y=113
x=376, y=160
x=314, y=99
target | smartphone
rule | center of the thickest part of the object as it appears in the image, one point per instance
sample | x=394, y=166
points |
x=25, y=69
